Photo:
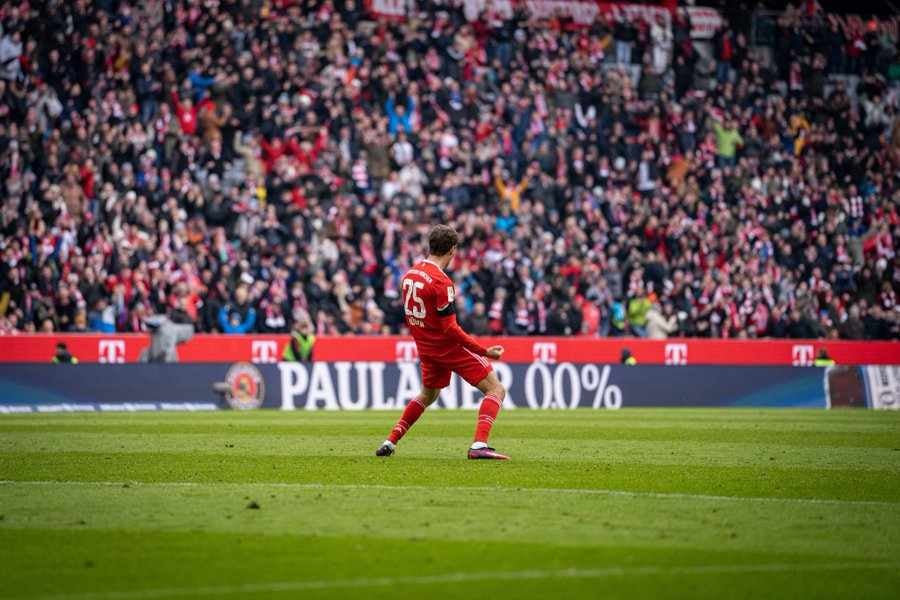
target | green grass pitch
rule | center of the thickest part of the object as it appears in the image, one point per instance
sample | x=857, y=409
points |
x=635, y=503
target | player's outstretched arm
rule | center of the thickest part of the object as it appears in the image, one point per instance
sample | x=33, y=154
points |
x=453, y=332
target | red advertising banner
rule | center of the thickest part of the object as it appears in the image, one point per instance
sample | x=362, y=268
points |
x=391, y=9
x=268, y=348
x=582, y=13
x=704, y=20
x=858, y=25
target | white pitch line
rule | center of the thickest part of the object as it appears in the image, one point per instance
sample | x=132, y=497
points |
x=463, y=489
x=574, y=573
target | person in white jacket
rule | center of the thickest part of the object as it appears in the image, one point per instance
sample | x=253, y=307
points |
x=661, y=323
x=661, y=38
x=10, y=51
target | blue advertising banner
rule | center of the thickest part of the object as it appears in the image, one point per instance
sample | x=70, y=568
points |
x=390, y=385
x=360, y=385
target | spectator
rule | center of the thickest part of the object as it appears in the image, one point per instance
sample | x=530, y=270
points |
x=638, y=311
x=519, y=319
x=400, y=115
x=102, y=318
x=509, y=191
x=476, y=323
x=300, y=347
x=822, y=359
x=625, y=35
x=238, y=316
x=62, y=356
x=661, y=323
x=618, y=319
x=727, y=141
x=10, y=54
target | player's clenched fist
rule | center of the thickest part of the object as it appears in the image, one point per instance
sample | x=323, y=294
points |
x=494, y=352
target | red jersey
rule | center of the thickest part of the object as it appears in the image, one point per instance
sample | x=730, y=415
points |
x=429, y=307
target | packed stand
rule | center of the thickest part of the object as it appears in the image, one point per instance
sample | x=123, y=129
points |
x=250, y=166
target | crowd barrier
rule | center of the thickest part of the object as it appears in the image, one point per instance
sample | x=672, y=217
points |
x=261, y=349
x=365, y=385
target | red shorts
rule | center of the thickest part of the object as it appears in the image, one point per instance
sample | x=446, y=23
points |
x=436, y=370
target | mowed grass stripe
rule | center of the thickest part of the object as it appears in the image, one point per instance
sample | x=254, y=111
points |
x=463, y=577
x=424, y=467
x=796, y=530
x=643, y=417
x=508, y=428
x=138, y=560
x=464, y=489
x=609, y=451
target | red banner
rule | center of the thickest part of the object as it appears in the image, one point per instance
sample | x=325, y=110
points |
x=267, y=349
x=391, y=9
x=858, y=25
x=704, y=21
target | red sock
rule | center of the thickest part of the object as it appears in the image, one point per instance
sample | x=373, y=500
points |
x=490, y=406
x=410, y=415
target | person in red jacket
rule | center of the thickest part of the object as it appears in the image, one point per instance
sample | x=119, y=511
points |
x=305, y=152
x=272, y=151
x=186, y=113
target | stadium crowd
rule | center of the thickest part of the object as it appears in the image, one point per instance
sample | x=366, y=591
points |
x=248, y=166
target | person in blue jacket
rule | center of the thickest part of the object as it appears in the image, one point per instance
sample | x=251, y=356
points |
x=237, y=316
x=199, y=82
x=399, y=116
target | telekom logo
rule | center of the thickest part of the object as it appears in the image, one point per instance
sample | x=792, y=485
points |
x=802, y=355
x=264, y=351
x=676, y=354
x=406, y=351
x=111, y=351
x=544, y=352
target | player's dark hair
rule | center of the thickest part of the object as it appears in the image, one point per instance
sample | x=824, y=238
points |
x=441, y=240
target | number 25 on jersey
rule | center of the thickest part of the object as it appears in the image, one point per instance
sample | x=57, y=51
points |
x=413, y=305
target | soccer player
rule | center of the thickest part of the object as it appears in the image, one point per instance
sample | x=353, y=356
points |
x=430, y=311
